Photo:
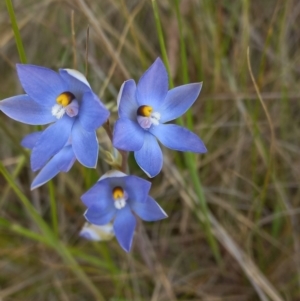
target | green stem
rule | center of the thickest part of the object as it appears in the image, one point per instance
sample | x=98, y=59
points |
x=161, y=40
x=15, y=28
x=183, y=57
x=53, y=207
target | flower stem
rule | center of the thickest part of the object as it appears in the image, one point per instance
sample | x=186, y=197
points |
x=53, y=207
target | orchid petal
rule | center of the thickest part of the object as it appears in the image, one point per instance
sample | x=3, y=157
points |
x=43, y=85
x=149, y=157
x=85, y=145
x=62, y=161
x=22, y=108
x=92, y=112
x=90, y=234
x=97, y=233
x=100, y=194
x=75, y=82
x=179, y=138
x=124, y=226
x=128, y=135
x=97, y=216
x=152, y=87
x=112, y=174
x=30, y=140
x=137, y=188
x=66, y=158
x=178, y=101
x=148, y=211
x=127, y=104
x=51, y=141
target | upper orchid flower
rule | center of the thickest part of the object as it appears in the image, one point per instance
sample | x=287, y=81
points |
x=117, y=196
x=143, y=110
x=60, y=162
x=65, y=98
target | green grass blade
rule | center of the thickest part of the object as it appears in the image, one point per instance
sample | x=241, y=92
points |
x=53, y=207
x=161, y=41
x=15, y=28
x=183, y=58
x=50, y=237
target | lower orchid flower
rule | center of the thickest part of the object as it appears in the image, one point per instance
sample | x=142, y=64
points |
x=119, y=197
x=143, y=111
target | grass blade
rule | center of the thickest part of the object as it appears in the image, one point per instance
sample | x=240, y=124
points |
x=15, y=28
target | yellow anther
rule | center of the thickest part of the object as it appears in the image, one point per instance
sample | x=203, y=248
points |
x=118, y=193
x=144, y=111
x=65, y=98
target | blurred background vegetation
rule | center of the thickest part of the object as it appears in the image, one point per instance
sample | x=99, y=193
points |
x=245, y=244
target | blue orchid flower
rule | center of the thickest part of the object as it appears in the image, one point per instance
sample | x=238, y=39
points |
x=118, y=196
x=64, y=99
x=61, y=162
x=143, y=111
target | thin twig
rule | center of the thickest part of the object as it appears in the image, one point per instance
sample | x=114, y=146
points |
x=269, y=121
x=73, y=41
x=87, y=50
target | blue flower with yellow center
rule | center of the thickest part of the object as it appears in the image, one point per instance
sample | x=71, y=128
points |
x=118, y=197
x=143, y=111
x=64, y=99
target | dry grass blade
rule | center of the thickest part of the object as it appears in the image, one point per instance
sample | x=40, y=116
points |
x=95, y=24
x=20, y=286
x=120, y=46
x=260, y=283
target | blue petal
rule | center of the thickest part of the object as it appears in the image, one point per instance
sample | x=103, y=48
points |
x=22, y=108
x=152, y=88
x=113, y=174
x=51, y=141
x=66, y=158
x=137, y=188
x=127, y=104
x=128, y=135
x=148, y=211
x=124, y=226
x=100, y=194
x=89, y=234
x=49, y=171
x=85, y=145
x=178, y=138
x=43, y=85
x=97, y=216
x=178, y=101
x=30, y=140
x=92, y=113
x=149, y=157
x=75, y=82
x=62, y=161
